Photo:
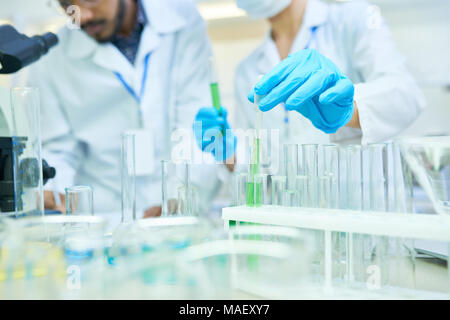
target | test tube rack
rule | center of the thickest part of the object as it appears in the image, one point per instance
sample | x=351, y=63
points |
x=390, y=224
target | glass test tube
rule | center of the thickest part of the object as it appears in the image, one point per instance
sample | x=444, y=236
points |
x=329, y=196
x=128, y=177
x=378, y=177
x=278, y=188
x=256, y=190
x=290, y=152
x=301, y=183
x=378, y=201
x=290, y=156
x=403, y=182
x=79, y=201
x=310, y=162
x=188, y=201
x=354, y=198
x=240, y=183
x=330, y=164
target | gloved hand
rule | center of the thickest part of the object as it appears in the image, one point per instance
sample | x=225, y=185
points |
x=214, y=126
x=312, y=85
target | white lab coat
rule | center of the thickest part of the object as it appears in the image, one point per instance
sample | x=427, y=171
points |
x=85, y=108
x=360, y=45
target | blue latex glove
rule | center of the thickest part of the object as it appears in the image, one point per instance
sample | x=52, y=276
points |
x=213, y=125
x=312, y=85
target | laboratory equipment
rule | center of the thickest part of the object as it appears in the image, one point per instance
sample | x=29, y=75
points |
x=222, y=268
x=240, y=184
x=128, y=177
x=21, y=165
x=429, y=160
x=310, y=162
x=214, y=86
x=290, y=155
x=330, y=168
x=18, y=51
x=301, y=185
x=79, y=201
x=354, y=201
x=253, y=199
x=52, y=257
x=178, y=194
x=278, y=190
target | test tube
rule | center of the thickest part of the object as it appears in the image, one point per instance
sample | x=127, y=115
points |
x=169, y=198
x=329, y=197
x=354, y=198
x=290, y=152
x=214, y=85
x=278, y=188
x=290, y=198
x=378, y=178
x=403, y=182
x=240, y=183
x=378, y=200
x=128, y=177
x=301, y=183
x=330, y=161
x=354, y=181
x=187, y=201
x=310, y=162
x=79, y=201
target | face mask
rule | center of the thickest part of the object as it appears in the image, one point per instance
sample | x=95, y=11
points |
x=263, y=9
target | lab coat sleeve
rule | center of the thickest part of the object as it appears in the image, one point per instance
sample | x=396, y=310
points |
x=191, y=92
x=388, y=97
x=59, y=148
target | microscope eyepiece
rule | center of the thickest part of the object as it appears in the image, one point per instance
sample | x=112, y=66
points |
x=18, y=51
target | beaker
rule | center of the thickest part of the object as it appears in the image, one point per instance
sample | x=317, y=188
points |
x=79, y=201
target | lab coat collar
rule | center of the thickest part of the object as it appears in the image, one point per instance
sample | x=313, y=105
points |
x=316, y=14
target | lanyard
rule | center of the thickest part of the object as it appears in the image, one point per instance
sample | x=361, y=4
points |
x=139, y=97
x=308, y=45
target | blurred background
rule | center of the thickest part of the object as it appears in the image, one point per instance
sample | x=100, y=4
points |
x=421, y=29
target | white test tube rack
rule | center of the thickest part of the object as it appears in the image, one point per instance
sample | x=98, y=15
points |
x=391, y=224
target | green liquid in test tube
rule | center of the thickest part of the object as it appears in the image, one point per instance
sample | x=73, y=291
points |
x=214, y=86
x=254, y=190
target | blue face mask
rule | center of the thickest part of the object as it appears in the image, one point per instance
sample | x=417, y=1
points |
x=263, y=9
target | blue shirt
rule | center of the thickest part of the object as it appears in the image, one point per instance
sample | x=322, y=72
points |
x=129, y=46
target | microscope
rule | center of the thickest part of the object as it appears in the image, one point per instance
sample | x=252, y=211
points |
x=20, y=174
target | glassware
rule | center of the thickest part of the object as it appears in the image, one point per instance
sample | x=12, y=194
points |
x=310, y=162
x=175, y=179
x=278, y=189
x=240, y=183
x=26, y=161
x=79, y=201
x=128, y=177
x=429, y=160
